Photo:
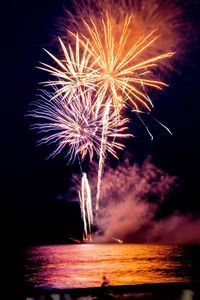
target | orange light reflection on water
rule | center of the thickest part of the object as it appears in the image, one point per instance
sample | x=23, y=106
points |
x=83, y=265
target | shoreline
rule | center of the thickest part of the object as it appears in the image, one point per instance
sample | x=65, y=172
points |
x=155, y=291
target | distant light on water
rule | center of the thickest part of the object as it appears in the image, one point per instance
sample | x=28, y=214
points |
x=83, y=265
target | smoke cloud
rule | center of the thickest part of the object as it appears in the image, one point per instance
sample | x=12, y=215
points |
x=176, y=229
x=131, y=196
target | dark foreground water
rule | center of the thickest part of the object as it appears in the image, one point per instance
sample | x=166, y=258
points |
x=83, y=265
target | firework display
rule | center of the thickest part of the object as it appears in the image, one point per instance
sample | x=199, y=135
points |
x=78, y=125
x=109, y=61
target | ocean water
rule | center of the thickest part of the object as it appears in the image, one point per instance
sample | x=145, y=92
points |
x=83, y=265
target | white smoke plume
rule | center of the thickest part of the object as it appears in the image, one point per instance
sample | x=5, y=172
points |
x=131, y=196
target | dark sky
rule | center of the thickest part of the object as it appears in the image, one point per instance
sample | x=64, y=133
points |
x=30, y=210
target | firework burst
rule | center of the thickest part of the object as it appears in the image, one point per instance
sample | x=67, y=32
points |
x=78, y=126
x=107, y=66
x=118, y=71
x=131, y=44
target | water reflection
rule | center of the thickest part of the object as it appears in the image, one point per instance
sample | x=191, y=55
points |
x=83, y=265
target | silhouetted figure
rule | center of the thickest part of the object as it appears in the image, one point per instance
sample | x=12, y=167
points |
x=105, y=281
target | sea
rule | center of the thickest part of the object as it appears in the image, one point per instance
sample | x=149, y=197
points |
x=84, y=265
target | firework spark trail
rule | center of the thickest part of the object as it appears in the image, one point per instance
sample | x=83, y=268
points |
x=83, y=214
x=77, y=126
x=86, y=206
x=102, y=151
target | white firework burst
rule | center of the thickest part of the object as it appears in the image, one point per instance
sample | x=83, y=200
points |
x=78, y=126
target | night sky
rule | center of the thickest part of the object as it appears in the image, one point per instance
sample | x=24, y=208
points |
x=31, y=211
